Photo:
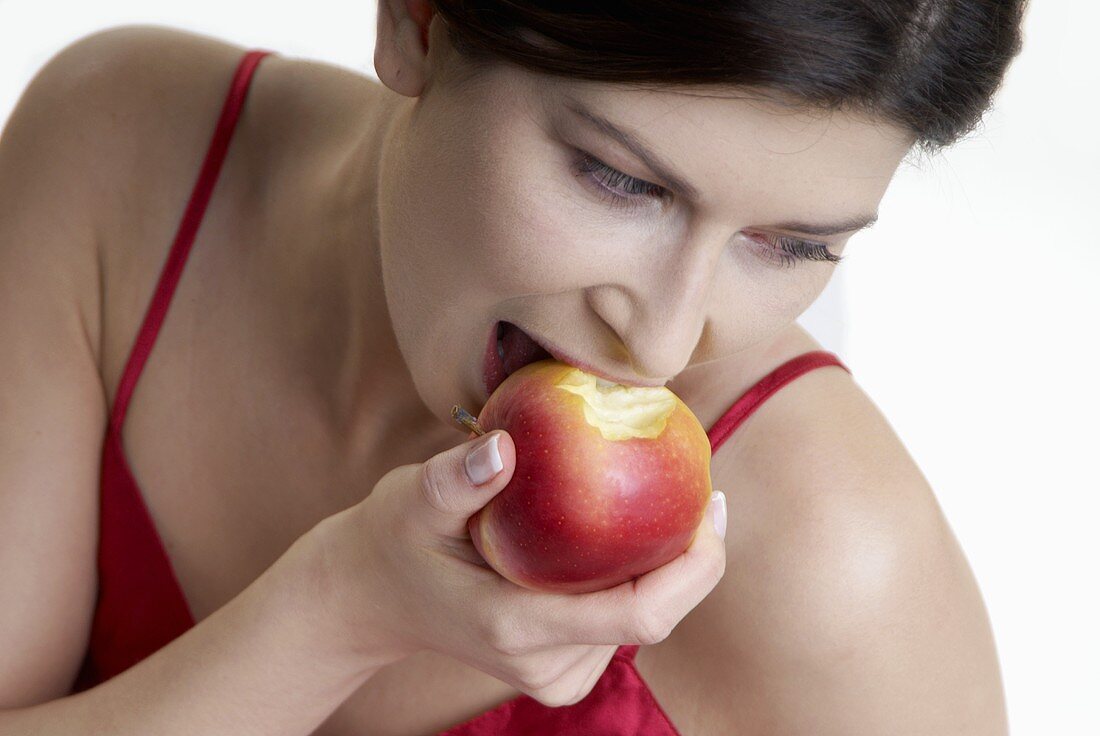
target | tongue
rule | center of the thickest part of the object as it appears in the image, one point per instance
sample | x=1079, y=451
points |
x=519, y=349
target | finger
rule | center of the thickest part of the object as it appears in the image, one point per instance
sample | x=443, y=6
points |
x=640, y=611
x=576, y=680
x=457, y=483
x=599, y=667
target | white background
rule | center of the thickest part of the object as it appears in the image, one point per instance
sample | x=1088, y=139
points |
x=968, y=313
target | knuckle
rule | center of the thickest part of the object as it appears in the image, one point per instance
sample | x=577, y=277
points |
x=504, y=636
x=432, y=484
x=714, y=569
x=718, y=568
x=578, y=688
x=651, y=629
x=535, y=679
x=555, y=695
x=581, y=692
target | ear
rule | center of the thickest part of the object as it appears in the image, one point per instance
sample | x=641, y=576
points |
x=401, y=46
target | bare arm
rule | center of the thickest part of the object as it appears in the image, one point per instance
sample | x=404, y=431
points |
x=848, y=607
x=266, y=663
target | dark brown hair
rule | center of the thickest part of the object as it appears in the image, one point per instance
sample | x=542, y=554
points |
x=930, y=67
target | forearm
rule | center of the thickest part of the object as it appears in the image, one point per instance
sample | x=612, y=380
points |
x=270, y=662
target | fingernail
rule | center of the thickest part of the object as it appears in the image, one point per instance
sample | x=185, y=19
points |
x=483, y=461
x=718, y=512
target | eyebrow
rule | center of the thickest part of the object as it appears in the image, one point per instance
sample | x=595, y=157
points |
x=678, y=184
x=851, y=225
x=635, y=146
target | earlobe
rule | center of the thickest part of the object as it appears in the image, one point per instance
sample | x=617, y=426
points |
x=400, y=52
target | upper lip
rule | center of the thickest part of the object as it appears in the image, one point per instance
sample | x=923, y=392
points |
x=565, y=357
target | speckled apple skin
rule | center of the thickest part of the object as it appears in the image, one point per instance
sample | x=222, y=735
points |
x=583, y=513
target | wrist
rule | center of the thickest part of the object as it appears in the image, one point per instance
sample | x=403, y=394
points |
x=337, y=584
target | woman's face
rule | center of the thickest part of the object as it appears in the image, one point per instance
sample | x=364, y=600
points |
x=510, y=198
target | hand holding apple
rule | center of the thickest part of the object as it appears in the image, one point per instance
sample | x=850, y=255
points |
x=611, y=481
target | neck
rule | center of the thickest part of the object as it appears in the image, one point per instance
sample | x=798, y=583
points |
x=375, y=401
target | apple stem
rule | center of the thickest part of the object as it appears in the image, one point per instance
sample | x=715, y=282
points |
x=466, y=419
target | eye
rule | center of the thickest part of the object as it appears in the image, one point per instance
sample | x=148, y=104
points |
x=614, y=186
x=623, y=190
x=788, y=252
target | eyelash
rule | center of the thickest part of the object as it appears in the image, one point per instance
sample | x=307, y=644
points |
x=623, y=190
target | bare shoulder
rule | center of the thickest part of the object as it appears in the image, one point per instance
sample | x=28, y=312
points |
x=847, y=606
x=118, y=124
x=133, y=105
x=130, y=111
x=130, y=81
x=115, y=125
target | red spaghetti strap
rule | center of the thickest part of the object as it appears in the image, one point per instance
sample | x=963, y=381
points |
x=185, y=235
x=764, y=388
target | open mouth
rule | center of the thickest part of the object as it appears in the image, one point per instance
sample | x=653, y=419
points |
x=508, y=350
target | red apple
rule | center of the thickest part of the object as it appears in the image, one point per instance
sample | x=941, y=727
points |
x=611, y=481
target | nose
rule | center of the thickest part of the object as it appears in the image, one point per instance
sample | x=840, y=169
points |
x=659, y=311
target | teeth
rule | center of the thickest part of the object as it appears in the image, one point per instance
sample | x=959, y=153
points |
x=500, y=349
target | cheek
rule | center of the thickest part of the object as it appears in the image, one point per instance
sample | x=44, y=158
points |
x=774, y=288
x=778, y=302
x=755, y=300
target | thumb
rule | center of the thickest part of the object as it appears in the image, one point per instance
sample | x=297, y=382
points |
x=457, y=483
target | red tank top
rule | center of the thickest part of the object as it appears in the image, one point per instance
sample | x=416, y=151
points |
x=140, y=606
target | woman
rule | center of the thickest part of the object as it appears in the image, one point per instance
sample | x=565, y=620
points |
x=276, y=543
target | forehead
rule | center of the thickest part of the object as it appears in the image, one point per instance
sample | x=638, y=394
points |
x=728, y=143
